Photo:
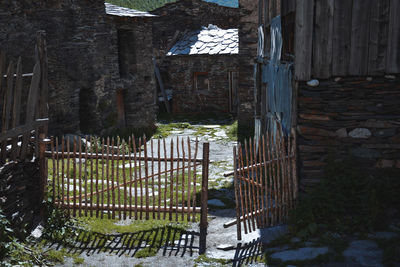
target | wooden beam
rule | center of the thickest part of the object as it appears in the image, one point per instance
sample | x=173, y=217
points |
x=303, y=39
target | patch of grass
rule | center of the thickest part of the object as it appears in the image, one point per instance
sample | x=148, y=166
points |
x=164, y=130
x=78, y=260
x=56, y=255
x=232, y=131
x=111, y=226
x=211, y=261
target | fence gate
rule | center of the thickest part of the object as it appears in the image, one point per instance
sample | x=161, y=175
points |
x=265, y=181
x=137, y=179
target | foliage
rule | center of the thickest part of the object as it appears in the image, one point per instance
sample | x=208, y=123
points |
x=347, y=200
x=6, y=236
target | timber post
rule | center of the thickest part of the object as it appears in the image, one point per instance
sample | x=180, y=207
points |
x=204, y=199
x=42, y=167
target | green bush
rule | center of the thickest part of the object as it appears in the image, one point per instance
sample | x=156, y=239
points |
x=347, y=200
x=6, y=236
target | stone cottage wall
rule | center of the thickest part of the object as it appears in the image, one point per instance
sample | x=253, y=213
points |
x=181, y=81
x=189, y=15
x=247, y=51
x=82, y=67
x=137, y=77
x=352, y=116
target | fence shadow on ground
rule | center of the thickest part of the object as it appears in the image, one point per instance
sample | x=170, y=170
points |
x=248, y=253
x=172, y=241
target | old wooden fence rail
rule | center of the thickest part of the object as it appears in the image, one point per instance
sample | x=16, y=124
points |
x=137, y=178
x=17, y=133
x=265, y=181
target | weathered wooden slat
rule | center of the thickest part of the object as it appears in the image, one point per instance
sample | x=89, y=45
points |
x=152, y=175
x=124, y=178
x=117, y=179
x=24, y=129
x=359, y=37
x=62, y=171
x=113, y=176
x=108, y=174
x=140, y=175
x=97, y=177
x=74, y=177
x=136, y=174
x=393, y=53
x=171, y=184
x=183, y=177
x=177, y=179
x=323, y=41
x=146, y=173
x=189, y=180
x=130, y=175
x=166, y=177
x=15, y=121
x=246, y=191
x=7, y=104
x=68, y=174
x=159, y=177
x=118, y=208
x=378, y=37
x=195, y=178
x=236, y=187
x=80, y=175
x=303, y=39
x=31, y=105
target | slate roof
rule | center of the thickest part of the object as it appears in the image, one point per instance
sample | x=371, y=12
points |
x=125, y=12
x=209, y=40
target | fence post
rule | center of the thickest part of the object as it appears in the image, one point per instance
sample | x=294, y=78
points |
x=204, y=198
x=42, y=167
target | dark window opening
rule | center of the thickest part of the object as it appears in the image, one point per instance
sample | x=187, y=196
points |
x=121, y=108
x=87, y=106
x=201, y=82
x=233, y=82
x=126, y=53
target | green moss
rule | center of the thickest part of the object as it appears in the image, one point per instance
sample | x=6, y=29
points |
x=56, y=255
x=78, y=260
x=211, y=261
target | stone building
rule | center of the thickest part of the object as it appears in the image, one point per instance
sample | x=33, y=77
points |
x=178, y=22
x=345, y=89
x=86, y=76
x=202, y=71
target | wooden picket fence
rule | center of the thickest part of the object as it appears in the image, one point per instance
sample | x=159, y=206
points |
x=18, y=133
x=265, y=179
x=137, y=179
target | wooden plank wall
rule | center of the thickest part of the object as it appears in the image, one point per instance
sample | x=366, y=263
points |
x=346, y=38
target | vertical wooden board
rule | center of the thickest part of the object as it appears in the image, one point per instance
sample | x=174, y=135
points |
x=378, y=37
x=341, y=37
x=359, y=37
x=323, y=37
x=393, y=53
x=303, y=39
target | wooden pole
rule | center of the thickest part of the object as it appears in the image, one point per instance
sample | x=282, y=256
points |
x=236, y=182
x=204, y=199
x=42, y=168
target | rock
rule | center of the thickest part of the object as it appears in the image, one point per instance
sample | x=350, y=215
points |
x=301, y=254
x=369, y=79
x=37, y=233
x=221, y=134
x=364, y=252
x=385, y=163
x=225, y=246
x=216, y=202
x=366, y=153
x=382, y=235
x=337, y=79
x=342, y=133
x=295, y=240
x=390, y=77
x=313, y=83
x=211, y=126
x=360, y=133
x=272, y=233
x=385, y=132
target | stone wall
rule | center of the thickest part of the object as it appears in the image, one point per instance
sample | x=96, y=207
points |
x=189, y=15
x=353, y=115
x=81, y=62
x=84, y=74
x=181, y=80
x=136, y=71
x=247, y=51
